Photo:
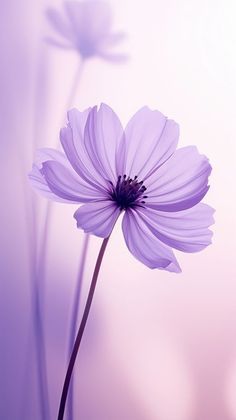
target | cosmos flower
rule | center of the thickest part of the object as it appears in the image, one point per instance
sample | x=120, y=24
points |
x=86, y=27
x=136, y=172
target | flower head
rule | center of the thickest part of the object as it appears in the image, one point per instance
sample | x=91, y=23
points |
x=86, y=27
x=136, y=171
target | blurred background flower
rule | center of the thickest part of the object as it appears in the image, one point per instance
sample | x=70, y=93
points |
x=86, y=26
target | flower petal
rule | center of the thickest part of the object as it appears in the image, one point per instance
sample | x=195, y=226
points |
x=72, y=140
x=105, y=45
x=145, y=246
x=103, y=134
x=37, y=179
x=114, y=38
x=60, y=23
x=59, y=44
x=98, y=218
x=89, y=20
x=117, y=58
x=66, y=184
x=150, y=140
x=185, y=230
x=180, y=183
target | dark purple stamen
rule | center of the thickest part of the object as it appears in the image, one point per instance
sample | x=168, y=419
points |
x=128, y=192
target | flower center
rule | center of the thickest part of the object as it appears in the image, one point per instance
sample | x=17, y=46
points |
x=128, y=192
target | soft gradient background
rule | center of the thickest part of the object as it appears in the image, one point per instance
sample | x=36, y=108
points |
x=158, y=346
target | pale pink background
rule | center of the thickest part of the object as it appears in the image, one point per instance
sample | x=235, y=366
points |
x=165, y=344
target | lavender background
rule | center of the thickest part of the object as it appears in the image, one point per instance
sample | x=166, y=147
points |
x=157, y=345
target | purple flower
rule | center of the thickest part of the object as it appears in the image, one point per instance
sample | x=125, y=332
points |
x=136, y=172
x=86, y=27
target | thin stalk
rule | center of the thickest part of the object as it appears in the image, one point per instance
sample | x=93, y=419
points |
x=74, y=317
x=39, y=340
x=40, y=347
x=74, y=85
x=81, y=330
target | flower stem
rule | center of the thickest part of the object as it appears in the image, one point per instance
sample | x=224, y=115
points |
x=39, y=339
x=74, y=317
x=75, y=83
x=81, y=330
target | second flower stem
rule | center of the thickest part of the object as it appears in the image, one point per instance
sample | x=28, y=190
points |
x=81, y=330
